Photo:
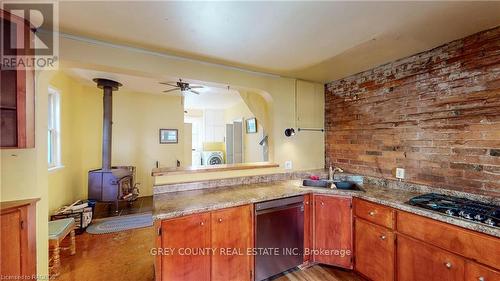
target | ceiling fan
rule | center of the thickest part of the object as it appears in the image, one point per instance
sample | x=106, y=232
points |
x=182, y=86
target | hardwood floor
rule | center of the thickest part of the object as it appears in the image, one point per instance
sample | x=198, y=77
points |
x=115, y=256
x=124, y=256
x=320, y=273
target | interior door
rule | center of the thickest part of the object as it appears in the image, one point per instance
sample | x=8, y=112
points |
x=232, y=236
x=333, y=230
x=238, y=142
x=181, y=234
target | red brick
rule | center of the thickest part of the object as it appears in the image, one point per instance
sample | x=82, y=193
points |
x=436, y=114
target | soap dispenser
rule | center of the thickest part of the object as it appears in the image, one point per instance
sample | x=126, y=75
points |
x=330, y=173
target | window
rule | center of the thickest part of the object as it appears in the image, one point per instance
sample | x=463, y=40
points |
x=54, y=130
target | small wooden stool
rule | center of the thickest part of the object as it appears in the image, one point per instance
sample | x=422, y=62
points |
x=58, y=230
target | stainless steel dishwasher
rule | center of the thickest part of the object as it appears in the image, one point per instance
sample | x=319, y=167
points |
x=279, y=239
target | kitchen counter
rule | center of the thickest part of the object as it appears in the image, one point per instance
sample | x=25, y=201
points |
x=176, y=204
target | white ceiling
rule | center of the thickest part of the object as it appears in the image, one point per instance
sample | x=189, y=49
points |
x=319, y=41
x=212, y=96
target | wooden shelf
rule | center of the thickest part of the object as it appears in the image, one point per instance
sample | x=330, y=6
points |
x=215, y=168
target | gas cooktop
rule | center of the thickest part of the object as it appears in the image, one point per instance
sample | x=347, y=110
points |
x=459, y=207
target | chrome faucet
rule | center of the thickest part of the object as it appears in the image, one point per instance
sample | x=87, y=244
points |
x=331, y=172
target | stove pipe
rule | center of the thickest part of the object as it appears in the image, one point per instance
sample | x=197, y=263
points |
x=108, y=87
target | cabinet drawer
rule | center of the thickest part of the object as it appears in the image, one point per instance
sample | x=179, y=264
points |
x=375, y=213
x=418, y=261
x=480, y=247
x=477, y=272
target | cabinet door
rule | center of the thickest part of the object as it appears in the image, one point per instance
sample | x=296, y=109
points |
x=10, y=252
x=477, y=272
x=374, y=251
x=232, y=237
x=333, y=231
x=310, y=98
x=17, y=94
x=182, y=235
x=419, y=261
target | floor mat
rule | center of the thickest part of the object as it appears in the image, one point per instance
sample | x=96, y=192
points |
x=120, y=223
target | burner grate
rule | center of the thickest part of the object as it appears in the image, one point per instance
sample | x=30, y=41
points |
x=459, y=207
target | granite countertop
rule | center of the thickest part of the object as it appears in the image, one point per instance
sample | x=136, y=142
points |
x=176, y=204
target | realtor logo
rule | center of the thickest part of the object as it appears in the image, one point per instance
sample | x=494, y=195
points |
x=28, y=34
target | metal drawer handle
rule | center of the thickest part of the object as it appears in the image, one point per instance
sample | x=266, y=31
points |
x=220, y=220
x=481, y=278
x=202, y=223
x=322, y=203
x=448, y=264
x=307, y=202
x=371, y=213
x=383, y=237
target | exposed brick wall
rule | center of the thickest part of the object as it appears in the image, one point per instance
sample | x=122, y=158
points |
x=436, y=114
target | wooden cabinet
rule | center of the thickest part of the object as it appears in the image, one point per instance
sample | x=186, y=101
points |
x=333, y=230
x=17, y=96
x=232, y=236
x=417, y=261
x=219, y=241
x=374, y=251
x=18, y=239
x=310, y=97
x=477, y=272
x=480, y=247
x=186, y=234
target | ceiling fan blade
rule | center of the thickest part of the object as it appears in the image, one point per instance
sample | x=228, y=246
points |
x=196, y=87
x=171, y=90
x=194, y=92
x=173, y=84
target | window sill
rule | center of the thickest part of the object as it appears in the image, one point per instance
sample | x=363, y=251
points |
x=56, y=168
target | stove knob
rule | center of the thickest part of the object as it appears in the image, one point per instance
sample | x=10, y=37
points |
x=479, y=217
x=450, y=212
x=467, y=216
x=489, y=222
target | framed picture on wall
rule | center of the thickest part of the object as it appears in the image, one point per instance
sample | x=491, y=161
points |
x=169, y=136
x=251, y=125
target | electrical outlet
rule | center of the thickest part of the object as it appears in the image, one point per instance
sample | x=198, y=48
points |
x=288, y=165
x=400, y=173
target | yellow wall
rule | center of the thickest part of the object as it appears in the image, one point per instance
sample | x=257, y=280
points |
x=137, y=118
x=252, y=151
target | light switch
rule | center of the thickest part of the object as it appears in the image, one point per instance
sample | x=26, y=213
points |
x=288, y=165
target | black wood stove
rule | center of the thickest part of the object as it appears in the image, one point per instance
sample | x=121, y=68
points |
x=110, y=184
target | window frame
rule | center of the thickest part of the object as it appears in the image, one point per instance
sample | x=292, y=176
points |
x=54, y=129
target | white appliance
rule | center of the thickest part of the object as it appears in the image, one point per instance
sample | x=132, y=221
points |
x=196, y=158
x=209, y=158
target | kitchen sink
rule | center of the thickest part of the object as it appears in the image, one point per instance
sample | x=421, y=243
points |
x=339, y=185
